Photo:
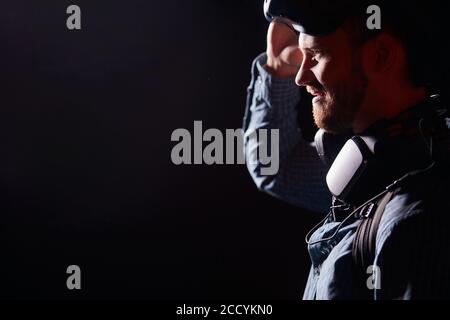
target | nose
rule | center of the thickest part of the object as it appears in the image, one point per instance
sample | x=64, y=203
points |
x=304, y=74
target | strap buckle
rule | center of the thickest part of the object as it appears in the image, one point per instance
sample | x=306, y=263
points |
x=367, y=210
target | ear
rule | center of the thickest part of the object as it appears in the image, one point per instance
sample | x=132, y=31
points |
x=387, y=53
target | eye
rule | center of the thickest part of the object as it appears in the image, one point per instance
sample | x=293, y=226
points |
x=317, y=54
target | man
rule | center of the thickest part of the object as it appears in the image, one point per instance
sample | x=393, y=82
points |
x=369, y=83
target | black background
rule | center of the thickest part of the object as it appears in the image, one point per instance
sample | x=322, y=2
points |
x=85, y=171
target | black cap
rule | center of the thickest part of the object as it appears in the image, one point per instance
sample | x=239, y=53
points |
x=314, y=17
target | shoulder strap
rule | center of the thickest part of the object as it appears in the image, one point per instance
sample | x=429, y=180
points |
x=363, y=249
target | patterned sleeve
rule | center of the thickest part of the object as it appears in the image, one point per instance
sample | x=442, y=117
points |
x=272, y=104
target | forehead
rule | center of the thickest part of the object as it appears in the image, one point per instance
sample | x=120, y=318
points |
x=337, y=40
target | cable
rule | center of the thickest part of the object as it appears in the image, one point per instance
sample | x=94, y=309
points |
x=389, y=188
x=309, y=242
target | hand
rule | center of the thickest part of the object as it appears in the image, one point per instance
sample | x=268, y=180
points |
x=283, y=54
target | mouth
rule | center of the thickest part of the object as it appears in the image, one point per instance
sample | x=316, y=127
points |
x=316, y=93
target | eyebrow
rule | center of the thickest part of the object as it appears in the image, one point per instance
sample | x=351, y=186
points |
x=314, y=48
x=311, y=45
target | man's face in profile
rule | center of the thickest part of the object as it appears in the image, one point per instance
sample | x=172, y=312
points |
x=332, y=72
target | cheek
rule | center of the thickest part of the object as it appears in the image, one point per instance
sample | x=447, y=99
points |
x=323, y=72
x=331, y=73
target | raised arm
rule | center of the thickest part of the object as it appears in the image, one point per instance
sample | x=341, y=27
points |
x=272, y=103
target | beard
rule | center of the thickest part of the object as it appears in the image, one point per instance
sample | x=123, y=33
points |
x=335, y=109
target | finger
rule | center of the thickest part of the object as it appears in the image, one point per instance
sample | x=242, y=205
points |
x=280, y=36
x=282, y=31
x=291, y=55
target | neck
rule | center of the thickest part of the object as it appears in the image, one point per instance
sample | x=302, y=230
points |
x=386, y=106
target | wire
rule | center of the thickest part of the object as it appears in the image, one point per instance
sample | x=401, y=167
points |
x=390, y=187
x=309, y=242
x=430, y=144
